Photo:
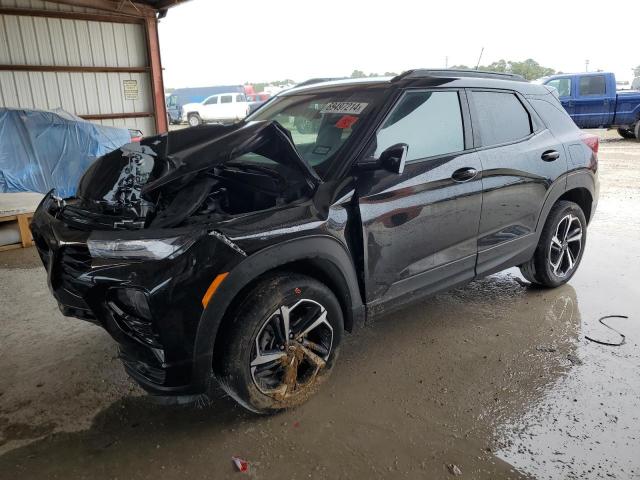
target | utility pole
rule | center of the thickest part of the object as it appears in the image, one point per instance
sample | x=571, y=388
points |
x=586, y=65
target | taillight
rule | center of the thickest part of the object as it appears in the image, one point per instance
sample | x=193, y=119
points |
x=591, y=141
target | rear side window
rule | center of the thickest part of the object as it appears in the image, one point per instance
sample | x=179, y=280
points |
x=592, y=85
x=563, y=85
x=226, y=99
x=429, y=122
x=502, y=117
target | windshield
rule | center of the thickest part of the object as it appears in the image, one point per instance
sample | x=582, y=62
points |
x=320, y=124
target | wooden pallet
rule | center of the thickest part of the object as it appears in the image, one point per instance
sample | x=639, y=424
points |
x=26, y=239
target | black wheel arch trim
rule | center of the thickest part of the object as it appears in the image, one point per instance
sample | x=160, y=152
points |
x=324, y=248
x=571, y=181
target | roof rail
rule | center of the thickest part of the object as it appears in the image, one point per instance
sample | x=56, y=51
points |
x=450, y=72
x=313, y=81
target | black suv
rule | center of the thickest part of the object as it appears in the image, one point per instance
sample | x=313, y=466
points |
x=242, y=253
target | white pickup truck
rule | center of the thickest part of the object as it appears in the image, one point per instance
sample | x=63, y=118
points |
x=219, y=108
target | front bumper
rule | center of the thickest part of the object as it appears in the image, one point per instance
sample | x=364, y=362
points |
x=152, y=308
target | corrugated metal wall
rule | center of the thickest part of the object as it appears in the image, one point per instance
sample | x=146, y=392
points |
x=33, y=40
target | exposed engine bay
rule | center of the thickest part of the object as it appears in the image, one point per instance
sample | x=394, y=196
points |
x=195, y=175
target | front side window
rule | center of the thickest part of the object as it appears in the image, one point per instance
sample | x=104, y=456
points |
x=592, y=85
x=502, y=118
x=226, y=99
x=563, y=85
x=211, y=101
x=429, y=122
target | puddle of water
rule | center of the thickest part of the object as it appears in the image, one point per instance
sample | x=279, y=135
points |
x=586, y=423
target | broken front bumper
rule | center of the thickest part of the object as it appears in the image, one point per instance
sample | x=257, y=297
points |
x=152, y=308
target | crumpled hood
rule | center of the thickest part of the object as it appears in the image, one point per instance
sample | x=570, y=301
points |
x=125, y=175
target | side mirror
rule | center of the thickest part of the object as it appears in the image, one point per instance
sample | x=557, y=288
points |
x=391, y=160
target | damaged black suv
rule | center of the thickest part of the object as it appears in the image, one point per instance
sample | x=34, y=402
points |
x=243, y=253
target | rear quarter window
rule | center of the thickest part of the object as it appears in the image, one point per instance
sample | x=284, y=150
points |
x=553, y=115
x=501, y=116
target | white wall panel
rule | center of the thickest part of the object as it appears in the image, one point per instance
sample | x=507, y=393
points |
x=31, y=40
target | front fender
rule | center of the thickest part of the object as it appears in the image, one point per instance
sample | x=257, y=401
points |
x=322, y=247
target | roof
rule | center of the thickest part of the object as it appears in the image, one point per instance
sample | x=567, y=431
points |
x=428, y=78
x=450, y=72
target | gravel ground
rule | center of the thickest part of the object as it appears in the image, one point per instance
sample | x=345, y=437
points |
x=495, y=378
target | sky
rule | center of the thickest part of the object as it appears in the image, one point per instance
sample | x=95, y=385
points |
x=214, y=42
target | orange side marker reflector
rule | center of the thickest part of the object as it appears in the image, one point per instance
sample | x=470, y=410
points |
x=212, y=288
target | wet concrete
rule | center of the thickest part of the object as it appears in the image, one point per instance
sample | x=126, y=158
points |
x=496, y=378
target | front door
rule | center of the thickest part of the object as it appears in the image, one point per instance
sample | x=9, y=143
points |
x=566, y=92
x=420, y=227
x=210, y=108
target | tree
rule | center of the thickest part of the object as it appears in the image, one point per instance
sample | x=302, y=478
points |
x=636, y=71
x=358, y=74
x=390, y=74
x=529, y=68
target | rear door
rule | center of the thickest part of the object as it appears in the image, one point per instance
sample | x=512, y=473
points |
x=593, y=104
x=210, y=108
x=520, y=160
x=226, y=107
x=420, y=227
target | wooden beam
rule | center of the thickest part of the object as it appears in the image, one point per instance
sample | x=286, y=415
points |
x=114, y=116
x=93, y=17
x=71, y=69
x=125, y=7
x=157, y=84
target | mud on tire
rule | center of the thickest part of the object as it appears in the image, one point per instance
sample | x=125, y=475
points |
x=262, y=366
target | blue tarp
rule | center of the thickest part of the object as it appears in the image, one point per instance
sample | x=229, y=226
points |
x=41, y=150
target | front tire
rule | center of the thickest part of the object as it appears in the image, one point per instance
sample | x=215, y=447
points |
x=560, y=247
x=194, y=120
x=281, y=343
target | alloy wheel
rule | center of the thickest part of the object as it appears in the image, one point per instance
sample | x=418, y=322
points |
x=566, y=245
x=290, y=350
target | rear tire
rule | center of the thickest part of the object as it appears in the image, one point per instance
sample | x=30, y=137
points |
x=560, y=248
x=267, y=369
x=624, y=133
x=194, y=120
x=637, y=130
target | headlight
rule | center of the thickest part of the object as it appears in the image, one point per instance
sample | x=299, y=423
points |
x=147, y=249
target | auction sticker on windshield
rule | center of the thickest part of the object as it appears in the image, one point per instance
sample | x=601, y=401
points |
x=352, y=108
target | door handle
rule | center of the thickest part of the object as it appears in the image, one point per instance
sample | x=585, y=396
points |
x=464, y=174
x=550, y=156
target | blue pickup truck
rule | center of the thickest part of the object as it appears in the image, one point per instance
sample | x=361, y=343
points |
x=592, y=101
